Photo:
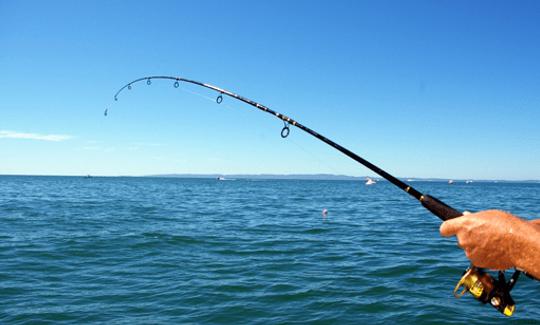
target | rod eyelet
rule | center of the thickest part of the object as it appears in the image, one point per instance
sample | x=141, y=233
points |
x=285, y=132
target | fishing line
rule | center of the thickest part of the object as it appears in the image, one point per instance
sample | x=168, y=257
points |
x=197, y=94
x=222, y=102
x=313, y=156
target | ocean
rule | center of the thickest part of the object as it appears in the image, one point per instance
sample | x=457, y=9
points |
x=122, y=250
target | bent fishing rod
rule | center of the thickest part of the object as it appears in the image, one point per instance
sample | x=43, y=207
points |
x=483, y=286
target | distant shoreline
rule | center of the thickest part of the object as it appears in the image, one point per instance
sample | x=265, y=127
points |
x=315, y=177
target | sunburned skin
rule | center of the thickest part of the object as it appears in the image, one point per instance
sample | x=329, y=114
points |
x=497, y=240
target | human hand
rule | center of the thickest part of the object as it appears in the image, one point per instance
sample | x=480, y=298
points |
x=488, y=237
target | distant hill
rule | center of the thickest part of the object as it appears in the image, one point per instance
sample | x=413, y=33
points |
x=330, y=177
x=269, y=176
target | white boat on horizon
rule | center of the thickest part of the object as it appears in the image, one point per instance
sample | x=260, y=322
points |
x=221, y=178
x=370, y=181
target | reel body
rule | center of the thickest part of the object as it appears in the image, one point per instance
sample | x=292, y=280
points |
x=486, y=289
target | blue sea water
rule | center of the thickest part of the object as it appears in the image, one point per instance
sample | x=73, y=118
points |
x=199, y=251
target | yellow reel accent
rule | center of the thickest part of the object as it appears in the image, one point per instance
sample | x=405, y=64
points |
x=509, y=310
x=471, y=283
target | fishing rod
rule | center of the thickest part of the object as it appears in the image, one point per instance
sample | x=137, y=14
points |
x=483, y=286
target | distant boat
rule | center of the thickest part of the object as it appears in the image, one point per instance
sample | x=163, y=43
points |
x=468, y=182
x=450, y=181
x=370, y=181
x=221, y=178
x=88, y=176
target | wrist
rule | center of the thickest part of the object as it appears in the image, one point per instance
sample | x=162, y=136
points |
x=523, y=236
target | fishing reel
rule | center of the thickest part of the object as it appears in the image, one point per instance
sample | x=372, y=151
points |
x=486, y=289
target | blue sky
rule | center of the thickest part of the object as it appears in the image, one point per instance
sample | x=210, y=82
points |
x=445, y=89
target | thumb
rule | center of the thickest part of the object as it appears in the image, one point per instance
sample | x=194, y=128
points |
x=451, y=227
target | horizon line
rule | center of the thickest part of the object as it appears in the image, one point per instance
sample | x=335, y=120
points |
x=310, y=176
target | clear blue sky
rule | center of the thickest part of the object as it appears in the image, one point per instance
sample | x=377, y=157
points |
x=445, y=89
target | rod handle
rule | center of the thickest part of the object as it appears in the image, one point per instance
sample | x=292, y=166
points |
x=439, y=208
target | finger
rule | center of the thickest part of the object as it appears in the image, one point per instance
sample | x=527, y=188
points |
x=469, y=254
x=451, y=227
x=462, y=242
